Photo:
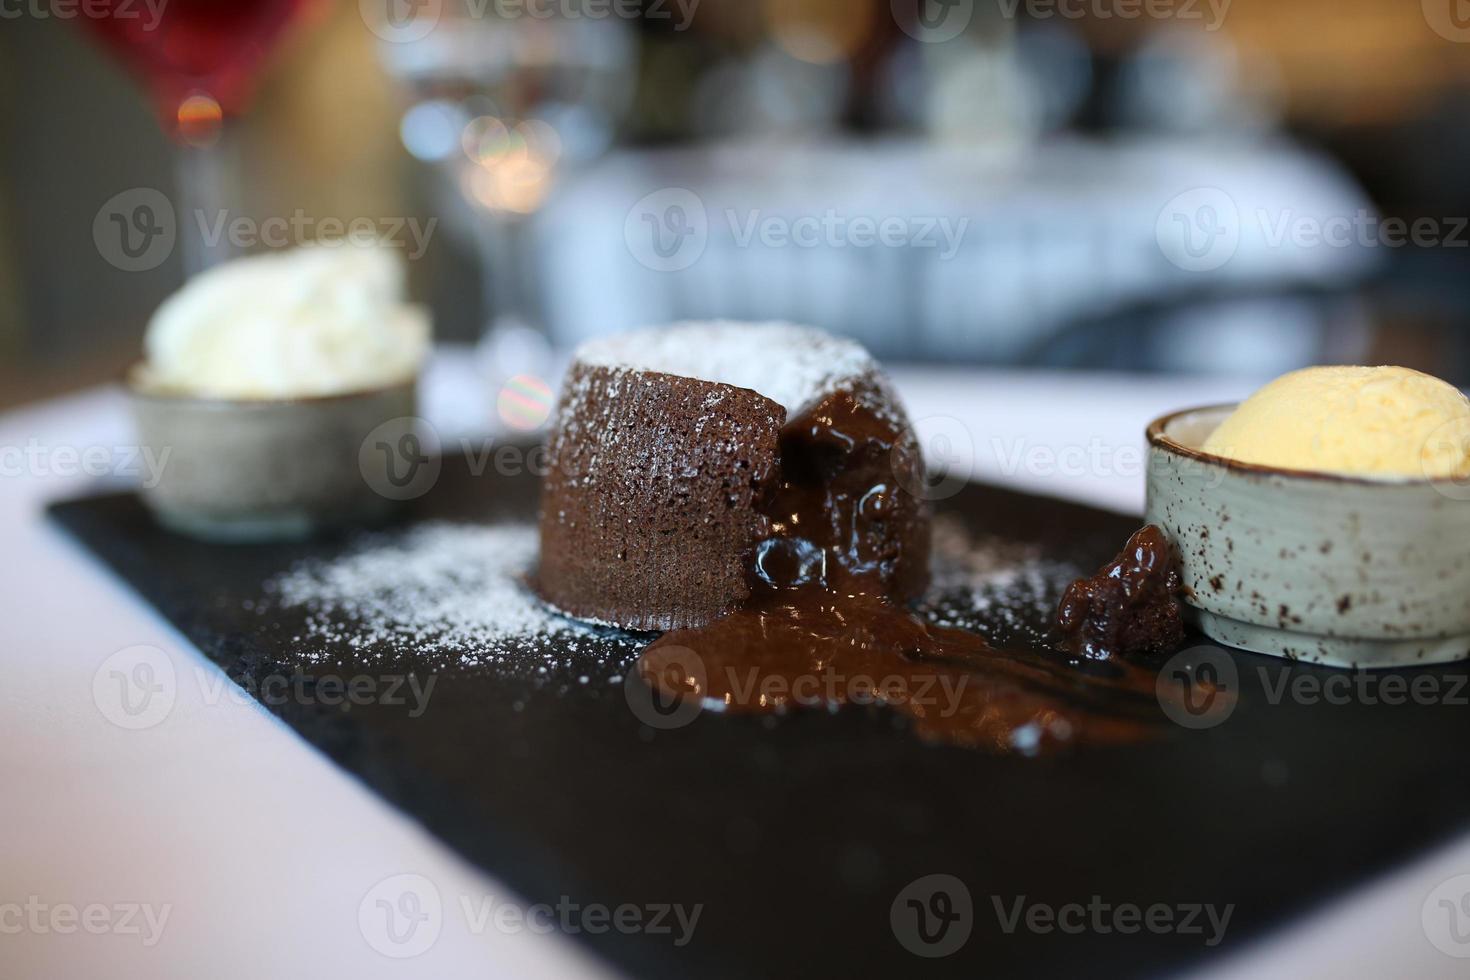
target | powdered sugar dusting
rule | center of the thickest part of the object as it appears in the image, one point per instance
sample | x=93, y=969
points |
x=450, y=592
x=789, y=364
x=998, y=587
x=455, y=595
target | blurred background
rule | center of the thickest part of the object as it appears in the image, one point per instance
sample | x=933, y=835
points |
x=1136, y=185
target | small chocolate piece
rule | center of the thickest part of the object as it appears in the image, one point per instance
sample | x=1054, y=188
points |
x=1132, y=605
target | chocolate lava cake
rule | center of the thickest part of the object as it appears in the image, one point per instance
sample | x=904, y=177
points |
x=692, y=463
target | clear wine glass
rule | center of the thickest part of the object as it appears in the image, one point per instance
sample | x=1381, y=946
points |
x=508, y=107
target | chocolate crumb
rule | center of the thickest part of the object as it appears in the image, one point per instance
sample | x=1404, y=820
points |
x=1132, y=604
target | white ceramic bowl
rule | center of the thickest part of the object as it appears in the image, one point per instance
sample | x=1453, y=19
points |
x=1345, y=571
x=270, y=469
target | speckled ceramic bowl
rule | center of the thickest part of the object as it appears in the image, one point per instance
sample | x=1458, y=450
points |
x=1337, y=570
x=259, y=470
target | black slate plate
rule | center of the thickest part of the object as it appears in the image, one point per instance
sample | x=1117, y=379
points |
x=798, y=834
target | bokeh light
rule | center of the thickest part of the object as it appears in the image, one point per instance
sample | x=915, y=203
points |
x=512, y=167
x=431, y=130
x=525, y=402
x=820, y=32
x=200, y=120
x=487, y=139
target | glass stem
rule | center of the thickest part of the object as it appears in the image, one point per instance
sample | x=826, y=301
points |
x=505, y=244
x=207, y=189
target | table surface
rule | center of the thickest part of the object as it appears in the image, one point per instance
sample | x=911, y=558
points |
x=260, y=853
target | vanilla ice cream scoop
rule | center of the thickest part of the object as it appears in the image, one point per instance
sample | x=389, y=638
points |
x=324, y=319
x=1361, y=421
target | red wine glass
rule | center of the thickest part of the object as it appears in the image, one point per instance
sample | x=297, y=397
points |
x=199, y=60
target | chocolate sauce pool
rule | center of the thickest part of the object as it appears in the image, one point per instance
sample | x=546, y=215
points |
x=823, y=627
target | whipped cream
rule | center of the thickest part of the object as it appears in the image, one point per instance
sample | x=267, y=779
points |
x=324, y=319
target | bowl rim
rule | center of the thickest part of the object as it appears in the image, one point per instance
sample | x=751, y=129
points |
x=138, y=390
x=1159, y=440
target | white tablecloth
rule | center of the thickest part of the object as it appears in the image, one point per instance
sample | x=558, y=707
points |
x=261, y=851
